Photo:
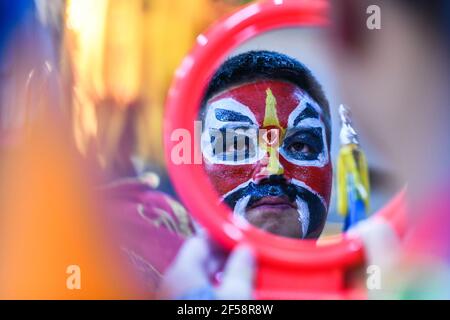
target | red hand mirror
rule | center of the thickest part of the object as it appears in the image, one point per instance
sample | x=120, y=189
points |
x=287, y=269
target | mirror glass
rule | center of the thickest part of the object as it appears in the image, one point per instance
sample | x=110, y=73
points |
x=271, y=135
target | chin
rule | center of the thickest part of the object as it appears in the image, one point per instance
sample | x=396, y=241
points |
x=282, y=223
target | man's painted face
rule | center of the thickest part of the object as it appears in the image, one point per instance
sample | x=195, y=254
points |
x=265, y=150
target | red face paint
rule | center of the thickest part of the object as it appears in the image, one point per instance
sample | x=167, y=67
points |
x=273, y=105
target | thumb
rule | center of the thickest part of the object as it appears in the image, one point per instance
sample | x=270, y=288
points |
x=187, y=271
x=237, y=281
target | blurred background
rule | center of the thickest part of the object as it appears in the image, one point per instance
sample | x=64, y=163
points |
x=311, y=47
x=82, y=91
x=109, y=64
x=111, y=61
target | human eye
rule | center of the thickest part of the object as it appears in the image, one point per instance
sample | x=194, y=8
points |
x=234, y=145
x=300, y=147
x=304, y=144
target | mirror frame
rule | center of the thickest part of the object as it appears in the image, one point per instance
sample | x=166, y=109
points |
x=280, y=260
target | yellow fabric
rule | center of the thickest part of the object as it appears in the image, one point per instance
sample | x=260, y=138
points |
x=352, y=161
x=123, y=54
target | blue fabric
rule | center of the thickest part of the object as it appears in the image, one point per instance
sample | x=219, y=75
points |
x=356, y=206
x=12, y=13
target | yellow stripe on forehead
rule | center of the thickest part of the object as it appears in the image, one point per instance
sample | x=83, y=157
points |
x=271, y=120
x=270, y=116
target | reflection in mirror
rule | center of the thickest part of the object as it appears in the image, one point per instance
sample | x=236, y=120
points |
x=266, y=139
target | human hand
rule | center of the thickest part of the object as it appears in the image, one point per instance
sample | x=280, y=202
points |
x=191, y=274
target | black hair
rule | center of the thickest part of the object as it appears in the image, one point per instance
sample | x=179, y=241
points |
x=256, y=65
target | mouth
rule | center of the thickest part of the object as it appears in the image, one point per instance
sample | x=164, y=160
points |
x=277, y=215
x=276, y=207
x=273, y=203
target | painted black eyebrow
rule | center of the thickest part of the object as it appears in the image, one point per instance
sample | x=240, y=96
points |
x=308, y=112
x=231, y=116
x=312, y=135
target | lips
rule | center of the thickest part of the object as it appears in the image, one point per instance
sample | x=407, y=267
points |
x=273, y=197
x=274, y=202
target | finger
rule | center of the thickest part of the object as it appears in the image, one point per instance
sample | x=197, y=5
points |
x=187, y=272
x=237, y=281
x=217, y=258
x=381, y=244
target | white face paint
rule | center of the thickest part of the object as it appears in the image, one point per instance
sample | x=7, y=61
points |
x=305, y=186
x=241, y=206
x=305, y=127
x=303, y=215
x=302, y=205
x=224, y=134
x=308, y=123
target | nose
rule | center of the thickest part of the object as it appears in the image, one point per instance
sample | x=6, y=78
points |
x=269, y=166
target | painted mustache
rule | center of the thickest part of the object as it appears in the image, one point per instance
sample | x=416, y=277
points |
x=277, y=186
